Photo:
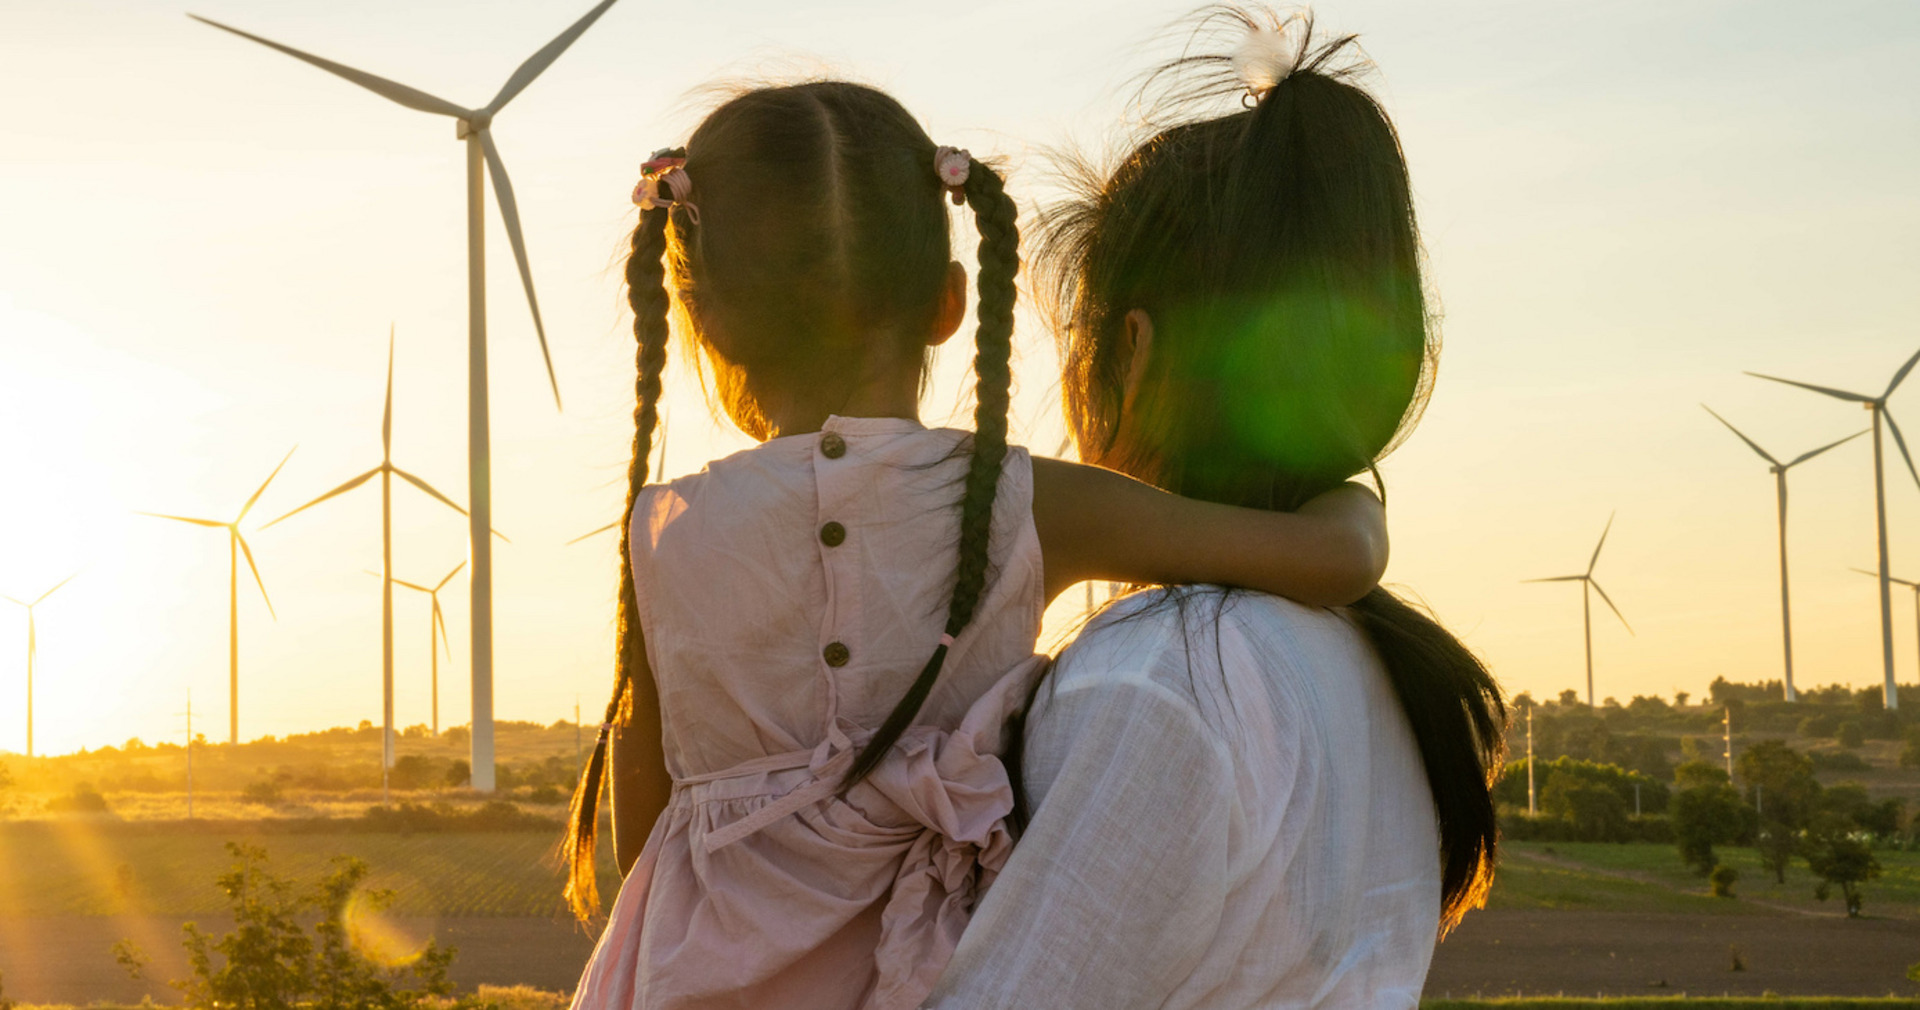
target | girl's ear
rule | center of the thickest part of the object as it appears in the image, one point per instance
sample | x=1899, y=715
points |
x=1138, y=345
x=953, y=306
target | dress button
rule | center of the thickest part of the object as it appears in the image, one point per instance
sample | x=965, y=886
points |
x=836, y=654
x=833, y=534
x=832, y=445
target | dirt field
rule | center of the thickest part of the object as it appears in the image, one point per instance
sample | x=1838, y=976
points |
x=1497, y=952
x=1525, y=952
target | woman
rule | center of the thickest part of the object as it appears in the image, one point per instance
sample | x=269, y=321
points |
x=1240, y=801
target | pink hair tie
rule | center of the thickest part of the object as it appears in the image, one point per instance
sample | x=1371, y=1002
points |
x=953, y=165
x=946, y=640
x=664, y=182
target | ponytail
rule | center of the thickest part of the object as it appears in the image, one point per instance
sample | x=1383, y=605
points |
x=1459, y=723
x=999, y=256
x=647, y=295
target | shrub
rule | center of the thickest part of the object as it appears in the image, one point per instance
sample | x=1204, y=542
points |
x=459, y=773
x=265, y=792
x=1839, y=859
x=1850, y=735
x=269, y=960
x=1818, y=726
x=1837, y=761
x=84, y=799
x=1722, y=879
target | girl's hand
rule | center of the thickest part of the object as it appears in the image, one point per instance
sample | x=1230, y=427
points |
x=1098, y=524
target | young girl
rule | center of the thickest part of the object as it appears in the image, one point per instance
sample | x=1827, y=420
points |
x=822, y=820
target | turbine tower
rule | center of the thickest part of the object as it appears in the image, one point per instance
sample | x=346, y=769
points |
x=1877, y=406
x=31, y=648
x=1915, y=586
x=436, y=633
x=1779, y=471
x=474, y=127
x=1587, y=582
x=386, y=471
x=236, y=546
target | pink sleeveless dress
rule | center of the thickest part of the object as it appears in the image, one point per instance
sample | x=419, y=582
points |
x=788, y=595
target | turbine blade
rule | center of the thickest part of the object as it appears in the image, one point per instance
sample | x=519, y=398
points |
x=411, y=585
x=1602, y=543
x=539, y=61
x=11, y=600
x=1875, y=575
x=386, y=417
x=342, y=489
x=1610, y=606
x=1803, y=457
x=1901, y=441
x=257, y=580
x=412, y=98
x=428, y=488
x=616, y=523
x=440, y=622
x=1901, y=375
x=660, y=464
x=1751, y=444
x=55, y=589
x=184, y=519
x=1836, y=393
x=248, y=507
x=450, y=575
x=510, y=216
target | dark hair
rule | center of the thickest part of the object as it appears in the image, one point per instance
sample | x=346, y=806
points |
x=818, y=236
x=1275, y=251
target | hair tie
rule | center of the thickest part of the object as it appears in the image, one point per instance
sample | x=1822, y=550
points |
x=953, y=165
x=666, y=170
x=605, y=729
x=946, y=640
x=1262, y=60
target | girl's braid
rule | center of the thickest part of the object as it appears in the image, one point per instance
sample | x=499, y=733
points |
x=999, y=258
x=647, y=295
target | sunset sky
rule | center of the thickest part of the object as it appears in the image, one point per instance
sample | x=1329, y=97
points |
x=203, y=244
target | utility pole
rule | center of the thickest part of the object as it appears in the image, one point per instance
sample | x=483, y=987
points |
x=1636, y=799
x=189, y=753
x=1532, y=797
x=1727, y=739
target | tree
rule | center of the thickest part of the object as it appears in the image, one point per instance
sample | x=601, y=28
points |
x=1850, y=735
x=1705, y=816
x=1841, y=860
x=1776, y=844
x=1680, y=699
x=1780, y=782
x=1569, y=698
x=1698, y=774
x=1596, y=812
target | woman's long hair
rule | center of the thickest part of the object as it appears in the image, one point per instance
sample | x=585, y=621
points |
x=1275, y=252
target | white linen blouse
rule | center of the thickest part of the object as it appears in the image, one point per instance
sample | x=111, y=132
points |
x=1229, y=812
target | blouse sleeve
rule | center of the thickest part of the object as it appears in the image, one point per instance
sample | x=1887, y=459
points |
x=1116, y=889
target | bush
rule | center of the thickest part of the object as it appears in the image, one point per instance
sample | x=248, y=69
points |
x=265, y=792
x=1722, y=879
x=1837, y=761
x=1818, y=726
x=459, y=774
x=269, y=960
x=1705, y=816
x=1837, y=858
x=1850, y=735
x=84, y=799
x=1910, y=752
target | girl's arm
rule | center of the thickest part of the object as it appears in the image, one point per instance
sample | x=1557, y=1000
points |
x=638, y=768
x=1095, y=523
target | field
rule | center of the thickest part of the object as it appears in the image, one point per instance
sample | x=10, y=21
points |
x=1583, y=919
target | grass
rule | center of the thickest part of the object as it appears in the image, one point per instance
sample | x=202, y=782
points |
x=1533, y=883
x=494, y=997
x=80, y=872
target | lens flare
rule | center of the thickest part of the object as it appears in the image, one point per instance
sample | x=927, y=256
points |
x=383, y=938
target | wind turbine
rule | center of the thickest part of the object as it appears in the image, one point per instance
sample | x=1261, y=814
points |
x=236, y=546
x=659, y=473
x=386, y=471
x=31, y=648
x=473, y=127
x=436, y=633
x=1587, y=582
x=1915, y=586
x=1779, y=471
x=1877, y=406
